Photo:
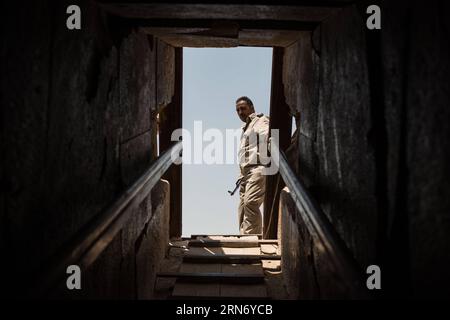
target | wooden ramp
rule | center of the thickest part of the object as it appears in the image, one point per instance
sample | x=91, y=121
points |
x=223, y=267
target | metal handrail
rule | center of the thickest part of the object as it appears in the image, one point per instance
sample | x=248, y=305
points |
x=90, y=242
x=321, y=229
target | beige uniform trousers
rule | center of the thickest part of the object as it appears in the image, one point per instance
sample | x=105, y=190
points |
x=253, y=187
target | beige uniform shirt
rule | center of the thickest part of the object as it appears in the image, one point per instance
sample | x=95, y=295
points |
x=253, y=149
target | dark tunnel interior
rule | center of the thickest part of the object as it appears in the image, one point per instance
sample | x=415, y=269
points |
x=79, y=130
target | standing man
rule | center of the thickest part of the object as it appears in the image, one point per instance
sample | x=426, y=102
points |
x=253, y=156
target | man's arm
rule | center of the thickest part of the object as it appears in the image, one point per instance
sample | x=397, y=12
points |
x=264, y=141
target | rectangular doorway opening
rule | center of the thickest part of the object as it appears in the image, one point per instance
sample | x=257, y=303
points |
x=213, y=78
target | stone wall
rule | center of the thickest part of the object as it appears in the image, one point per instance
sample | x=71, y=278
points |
x=77, y=119
x=415, y=51
x=372, y=146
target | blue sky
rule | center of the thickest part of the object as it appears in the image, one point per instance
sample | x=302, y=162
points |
x=212, y=80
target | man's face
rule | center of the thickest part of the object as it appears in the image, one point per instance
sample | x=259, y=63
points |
x=243, y=110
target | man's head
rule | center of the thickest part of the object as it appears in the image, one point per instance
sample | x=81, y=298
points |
x=244, y=108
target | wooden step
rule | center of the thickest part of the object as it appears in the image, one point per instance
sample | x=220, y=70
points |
x=227, y=278
x=223, y=273
x=225, y=287
x=212, y=251
x=228, y=258
x=215, y=236
x=223, y=267
x=209, y=243
x=255, y=268
x=218, y=291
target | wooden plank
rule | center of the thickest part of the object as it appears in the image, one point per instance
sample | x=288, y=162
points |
x=255, y=268
x=231, y=240
x=281, y=119
x=242, y=251
x=220, y=291
x=200, y=268
x=253, y=250
x=196, y=290
x=232, y=281
x=264, y=28
x=270, y=38
x=199, y=41
x=170, y=120
x=229, y=258
x=223, y=268
x=220, y=251
x=304, y=13
x=243, y=291
x=216, y=36
x=232, y=243
x=227, y=236
x=201, y=251
x=228, y=278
